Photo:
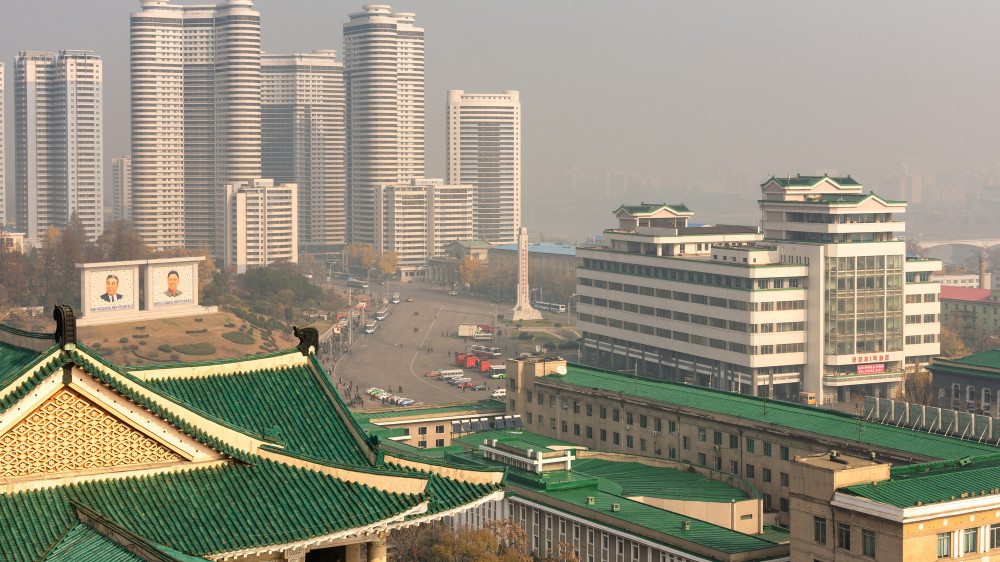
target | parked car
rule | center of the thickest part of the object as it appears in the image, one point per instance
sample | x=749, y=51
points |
x=479, y=387
x=453, y=292
x=469, y=384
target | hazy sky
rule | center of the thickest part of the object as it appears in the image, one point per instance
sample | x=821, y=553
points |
x=683, y=94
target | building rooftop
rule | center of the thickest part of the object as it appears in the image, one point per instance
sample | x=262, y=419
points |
x=809, y=181
x=842, y=426
x=649, y=208
x=986, y=363
x=558, y=248
x=966, y=294
x=260, y=450
x=934, y=482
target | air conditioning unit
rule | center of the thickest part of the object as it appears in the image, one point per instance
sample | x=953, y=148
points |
x=655, y=433
x=627, y=427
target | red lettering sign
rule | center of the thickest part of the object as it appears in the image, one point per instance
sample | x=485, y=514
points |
x=871, y=369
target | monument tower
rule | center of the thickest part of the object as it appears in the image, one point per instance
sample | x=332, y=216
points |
x=522, y=309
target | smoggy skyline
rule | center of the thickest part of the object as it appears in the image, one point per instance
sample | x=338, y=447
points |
x=691, y=102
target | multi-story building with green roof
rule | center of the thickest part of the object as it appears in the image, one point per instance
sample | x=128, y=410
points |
x=752, y=437
x=813, y=301
x=256, y=458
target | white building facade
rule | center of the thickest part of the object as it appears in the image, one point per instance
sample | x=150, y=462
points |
x=418, y=218
x=121, y=188
x=261, y=224
x=196, y=110
x=820, y=302
x=59, y=142
x=484, y=150
x=304, y=140
x=384, y=75
x=4, y=218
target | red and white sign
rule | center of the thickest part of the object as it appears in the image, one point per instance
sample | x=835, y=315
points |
x=864, y=358
x=871, y=369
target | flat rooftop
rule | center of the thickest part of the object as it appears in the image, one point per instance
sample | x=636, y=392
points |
x=841, y=426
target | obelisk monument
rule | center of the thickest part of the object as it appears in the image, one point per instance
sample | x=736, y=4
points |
x=522, y=310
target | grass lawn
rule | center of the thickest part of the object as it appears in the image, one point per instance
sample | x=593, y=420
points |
x=172, y=331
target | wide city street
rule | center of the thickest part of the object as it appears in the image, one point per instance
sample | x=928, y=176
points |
x=417, y=337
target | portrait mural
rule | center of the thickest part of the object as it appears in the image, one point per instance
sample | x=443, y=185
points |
x=112, y=289
x=172, y=284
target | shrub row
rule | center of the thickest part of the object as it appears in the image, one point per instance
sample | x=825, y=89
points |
x=201, y=331
x=239, y=337
x=200, y=348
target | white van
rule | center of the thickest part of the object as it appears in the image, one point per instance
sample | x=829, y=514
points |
x=499, y=393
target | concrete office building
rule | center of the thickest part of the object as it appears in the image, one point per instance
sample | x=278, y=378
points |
x=304, y=141
x=974, y=314
x=196, y=86
x=58, y=142
x=752, y=437
x=261, y=224
x=417, y=219
x=384, y=74
x=121, y=188
x=484, y=150
x=824, y=301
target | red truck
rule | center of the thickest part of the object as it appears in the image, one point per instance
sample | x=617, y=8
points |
x=484, y=365
x=470, y=361
x=460, y=359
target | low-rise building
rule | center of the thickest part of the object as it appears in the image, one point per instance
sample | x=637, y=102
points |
x=974, y=313
x=968, y=384
x=751, y=437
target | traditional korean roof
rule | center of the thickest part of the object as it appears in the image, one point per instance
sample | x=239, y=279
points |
x=216, y=459
x=927, y=483
x=650, y=208
x=809, y=181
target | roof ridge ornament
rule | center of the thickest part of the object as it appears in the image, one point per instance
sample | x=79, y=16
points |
x=65, y=326
x=308, y=339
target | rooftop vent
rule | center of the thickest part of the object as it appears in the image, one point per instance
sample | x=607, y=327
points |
x=616, y=507
x=590, y=500
x=685, y=525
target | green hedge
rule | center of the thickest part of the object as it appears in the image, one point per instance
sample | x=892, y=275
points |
x=165, y=347
x=140, y=336
x=201, y=331
x=239, y=337
x=200, y=348
x=123, y=340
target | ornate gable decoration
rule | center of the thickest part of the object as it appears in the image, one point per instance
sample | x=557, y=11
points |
x=69, y=432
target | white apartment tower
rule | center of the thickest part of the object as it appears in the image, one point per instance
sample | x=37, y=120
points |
x=824, y=301
x=418, y=218
x=484, y=150
x=58, y=141
x=195, y=72
x=384, y=74
x=121, y=188
x=261, y=224
x=305, y=141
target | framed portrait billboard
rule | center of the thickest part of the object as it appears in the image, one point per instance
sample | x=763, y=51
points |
x=171, y=284
x=111, y=289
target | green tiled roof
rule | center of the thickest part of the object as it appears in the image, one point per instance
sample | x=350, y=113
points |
x=933, y=482
x=647, y=208
x=519, y=439
x=808, y=181
x=288, y=405
x=986, y=360
x=636, y=479
x=202, y=511
x=84, y=543
x=431, y=410
x=841, y=426
x=16, y=360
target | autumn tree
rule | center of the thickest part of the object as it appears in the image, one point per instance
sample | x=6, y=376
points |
x=388, y=263
x=953, y=338
x=917, y=386
x=368, y=257
x=471, y=271
x=121, y=242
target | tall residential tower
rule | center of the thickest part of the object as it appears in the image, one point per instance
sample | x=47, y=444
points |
x=304, y=141
x=196, y=107
x=484, y=150
x=121, y=188
x=384, y=72
x=59, y=142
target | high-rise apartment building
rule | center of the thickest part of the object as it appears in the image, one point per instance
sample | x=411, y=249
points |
x=261, y=224
x=121, y=188
x=384, y=74
x=196, y=109
x=824, y=301
x=58, y=141
x=418, y=218
x=304, y=141
x=484, y=150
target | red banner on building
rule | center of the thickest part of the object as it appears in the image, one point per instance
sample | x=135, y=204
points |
x=871, y=369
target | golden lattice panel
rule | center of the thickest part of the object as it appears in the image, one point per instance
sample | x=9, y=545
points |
x=69, y=432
